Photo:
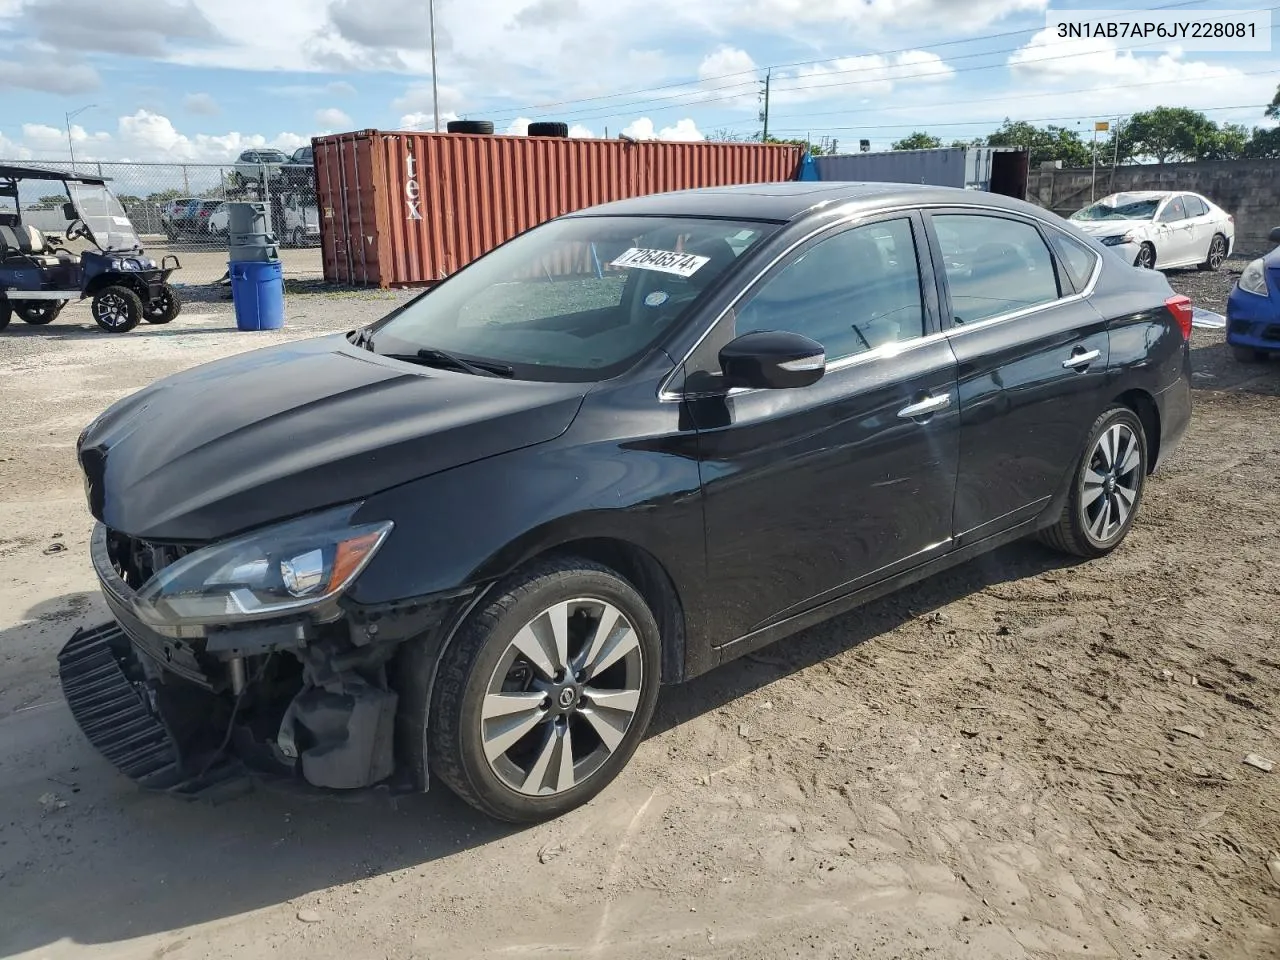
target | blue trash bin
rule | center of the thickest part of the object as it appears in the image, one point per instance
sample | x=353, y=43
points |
x=257, y=290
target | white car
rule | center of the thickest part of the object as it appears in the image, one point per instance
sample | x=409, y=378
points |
x=1160, y=229
x=219, y=221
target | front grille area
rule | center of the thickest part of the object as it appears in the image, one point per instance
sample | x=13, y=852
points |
x=1241, y=327
x=137, y=561
x=1272, y=333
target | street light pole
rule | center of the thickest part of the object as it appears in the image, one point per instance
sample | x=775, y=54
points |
x=435, y=95
x=70, y=143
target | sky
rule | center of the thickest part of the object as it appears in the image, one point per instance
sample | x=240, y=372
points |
x=202, y=80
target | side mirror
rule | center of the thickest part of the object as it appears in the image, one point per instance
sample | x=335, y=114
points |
x=772, y=360
x=1275, y=235
x=69, y=211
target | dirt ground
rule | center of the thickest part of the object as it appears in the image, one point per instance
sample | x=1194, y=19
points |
x=1019, y=758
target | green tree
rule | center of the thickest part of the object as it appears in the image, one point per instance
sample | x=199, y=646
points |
x=966, y=144
x=49, y=202
x=1045, y=143
x=725, y=135
x=1273, y=111
x=918, y=141
x=160, y=196
x=1264, y=144
x=1232, y=142
x=1170, y=134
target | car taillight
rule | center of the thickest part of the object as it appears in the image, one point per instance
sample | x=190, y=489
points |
x=1182, y=311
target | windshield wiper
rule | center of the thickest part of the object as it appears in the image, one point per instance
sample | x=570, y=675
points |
x=431, y=356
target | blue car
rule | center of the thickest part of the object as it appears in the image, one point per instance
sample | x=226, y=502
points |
x=1253, y=309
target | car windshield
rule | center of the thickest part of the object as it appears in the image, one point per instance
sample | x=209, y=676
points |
x=1120, y=207
x=578, y=299
x=104, y=216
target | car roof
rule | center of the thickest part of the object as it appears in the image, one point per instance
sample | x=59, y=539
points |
x=793, y=200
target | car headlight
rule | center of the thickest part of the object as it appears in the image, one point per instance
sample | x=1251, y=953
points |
x=1119, y=238
x=1254, y=279
x=289, y=567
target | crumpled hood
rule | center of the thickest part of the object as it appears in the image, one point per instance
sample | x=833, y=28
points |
x=276, y=432
x=1111, y=228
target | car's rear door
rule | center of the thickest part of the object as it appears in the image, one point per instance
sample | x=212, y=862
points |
x=1203, y=226
x=810, y=493
x=1032, y=354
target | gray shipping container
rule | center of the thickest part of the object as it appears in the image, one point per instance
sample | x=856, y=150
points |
x=1000, y=170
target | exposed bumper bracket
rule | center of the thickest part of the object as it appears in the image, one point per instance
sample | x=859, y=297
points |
x=118, y=717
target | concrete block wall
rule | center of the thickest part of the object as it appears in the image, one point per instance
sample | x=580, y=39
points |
x=1247, y=189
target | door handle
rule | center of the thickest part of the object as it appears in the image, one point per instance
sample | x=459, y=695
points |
x=925, y=407
x=1078, y=361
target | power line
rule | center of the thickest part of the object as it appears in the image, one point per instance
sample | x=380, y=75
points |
x=1020, y=96
x=702, y=100
x=979, y=123
x=510, y=113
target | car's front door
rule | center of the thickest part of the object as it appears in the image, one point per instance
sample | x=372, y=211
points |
x=812, y=492
x=1032, y=355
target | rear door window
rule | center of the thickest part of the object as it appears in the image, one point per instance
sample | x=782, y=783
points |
x=1195, y=206
x=1077, y=260
x=994, y=265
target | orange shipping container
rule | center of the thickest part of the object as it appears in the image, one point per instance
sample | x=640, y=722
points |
x=399, y=209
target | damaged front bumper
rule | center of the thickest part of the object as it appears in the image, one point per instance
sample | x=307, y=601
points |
x=339, y=704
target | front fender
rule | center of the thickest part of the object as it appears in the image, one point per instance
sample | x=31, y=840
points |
x=474, y=524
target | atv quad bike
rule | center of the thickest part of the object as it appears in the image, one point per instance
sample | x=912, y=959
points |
x=38, y=277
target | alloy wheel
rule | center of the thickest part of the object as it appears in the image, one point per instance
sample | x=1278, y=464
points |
x=562, y=697
x=1146, y=258
x=112, y=310
x=1111, y=482
x=1217, y=253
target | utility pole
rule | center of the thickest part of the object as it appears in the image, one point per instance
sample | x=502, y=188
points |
x=764, y=114
x=71, y=147
x=435, y=94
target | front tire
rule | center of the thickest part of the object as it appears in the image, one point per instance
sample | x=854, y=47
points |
x=117, y=309
x=164, y=308
x=545, y=692
x=1106, y=490
x=39, y=312
x=6, y=313
x=1146, y=258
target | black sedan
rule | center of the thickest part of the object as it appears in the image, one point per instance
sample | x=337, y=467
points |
x=633, y=443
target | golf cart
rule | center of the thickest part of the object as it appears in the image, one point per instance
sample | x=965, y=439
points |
x=38, y=276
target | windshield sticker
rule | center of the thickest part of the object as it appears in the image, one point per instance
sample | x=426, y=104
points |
x=664, y=261
x=655, y=299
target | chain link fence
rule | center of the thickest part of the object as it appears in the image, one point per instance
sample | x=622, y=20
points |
x=178, y=208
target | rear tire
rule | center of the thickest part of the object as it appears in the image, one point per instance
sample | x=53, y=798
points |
x=1106, y=489
x=603, y=676
x=164, y=308
x=117, y=309
x=39, y=312
x=1217, y=253
x=6, y=313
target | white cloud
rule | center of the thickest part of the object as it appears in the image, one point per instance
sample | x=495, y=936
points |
x=725, y=61
x=417, y=98
x=333, y=119
x=151, y=136
x=519, y=127
x=643, y=129
x=340, y=88
x=579, y=132
x=862, y=15
x=1124, y=80
x=426, y=120
x=38, y=74
x=11, y=150
x=41, y=136
x=201, y=104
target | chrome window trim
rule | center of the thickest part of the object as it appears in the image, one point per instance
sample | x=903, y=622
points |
x=667, y=395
